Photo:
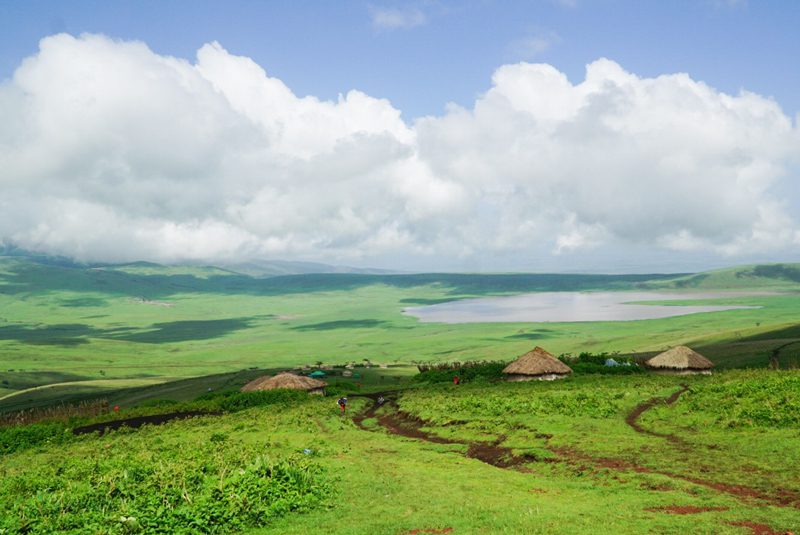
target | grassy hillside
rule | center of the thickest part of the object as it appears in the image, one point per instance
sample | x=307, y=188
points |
x=766, y=276
x=582, y=455
x=147, y=323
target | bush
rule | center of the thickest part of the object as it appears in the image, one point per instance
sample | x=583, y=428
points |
x=749, y=399
x=21, y=437
x=213, y=488
x=595, y=363
x=233, y=400
x=466, y=372
x=340, y=389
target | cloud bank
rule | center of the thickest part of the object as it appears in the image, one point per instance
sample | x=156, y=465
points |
x=111, y=152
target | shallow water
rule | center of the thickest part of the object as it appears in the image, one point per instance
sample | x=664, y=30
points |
x=570, y=306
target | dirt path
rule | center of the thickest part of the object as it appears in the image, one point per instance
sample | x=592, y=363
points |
x=403, y=424
x=780, y=497
x=139, y=421
x=633, y=416
x=774, y=357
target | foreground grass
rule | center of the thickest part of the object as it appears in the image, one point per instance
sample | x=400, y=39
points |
x=374, y=482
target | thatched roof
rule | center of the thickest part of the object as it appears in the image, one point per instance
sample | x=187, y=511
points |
x=680, y=358
x=283, y=380
x=537, y=362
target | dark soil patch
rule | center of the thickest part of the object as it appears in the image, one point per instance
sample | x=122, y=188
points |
x=684, y=509
x=780, y=498
x=406, y=425
x=660, y=488
x=139, y=421
x=634, y=415
x=758, y=529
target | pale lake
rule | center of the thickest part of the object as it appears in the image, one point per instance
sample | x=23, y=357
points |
x=571, y=306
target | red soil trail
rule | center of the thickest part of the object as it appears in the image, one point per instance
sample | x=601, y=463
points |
x=404, y=424
x=633, y=416
x=758, y=529
x=780, y=498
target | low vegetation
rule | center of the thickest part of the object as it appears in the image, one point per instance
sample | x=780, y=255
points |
x=602, y=363
x=751, y=399
x=138, y=485
x=57, y=429
x=609, y=449
x=295, y=465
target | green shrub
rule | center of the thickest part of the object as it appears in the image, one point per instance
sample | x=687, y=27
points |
x=340, y=389
x=233, y=401
x=749, y=399
x=21, y=437
x=592, y=368
x=212, y=488
x=595, y=363
x=466, y=372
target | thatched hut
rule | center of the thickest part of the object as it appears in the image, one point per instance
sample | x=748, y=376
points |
x=286, y=380
x=536, y=364
x=680, y=360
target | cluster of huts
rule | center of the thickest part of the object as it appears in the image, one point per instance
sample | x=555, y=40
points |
x=536, y=364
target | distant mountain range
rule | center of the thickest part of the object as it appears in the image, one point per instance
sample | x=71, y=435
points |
x=310, y=273
x=253, y=268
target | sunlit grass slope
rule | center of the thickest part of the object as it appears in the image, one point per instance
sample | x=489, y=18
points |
x=61, y=324
x=587, y=470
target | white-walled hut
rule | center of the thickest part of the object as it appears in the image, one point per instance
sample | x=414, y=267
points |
x=680, y=360
x=286, y=380
x=536, y=365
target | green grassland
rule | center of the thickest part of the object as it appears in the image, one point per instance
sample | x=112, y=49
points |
x=145, y=323
x=300, y=467
x=158, y=339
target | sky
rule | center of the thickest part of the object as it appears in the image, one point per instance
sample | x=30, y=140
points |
x=550, y=135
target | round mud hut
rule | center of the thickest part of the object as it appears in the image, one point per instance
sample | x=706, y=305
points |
x=680, y=360
x=536, y=365
x=286, y=380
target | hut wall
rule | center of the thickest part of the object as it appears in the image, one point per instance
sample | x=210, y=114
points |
x=670, y=371
x=518, y=377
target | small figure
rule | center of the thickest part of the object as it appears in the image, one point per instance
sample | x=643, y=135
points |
x=342, y=404
x=380, y=399
x=456, y=380
x=116, y=408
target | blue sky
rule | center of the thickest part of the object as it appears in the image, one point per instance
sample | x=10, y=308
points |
x=324, y=48
x=550, y=135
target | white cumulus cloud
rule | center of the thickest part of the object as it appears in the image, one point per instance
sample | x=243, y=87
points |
x=109, y=151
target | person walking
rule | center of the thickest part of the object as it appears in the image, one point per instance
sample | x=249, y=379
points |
x=342, y=404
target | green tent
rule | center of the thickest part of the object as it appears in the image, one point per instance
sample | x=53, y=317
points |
x=316, y=374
